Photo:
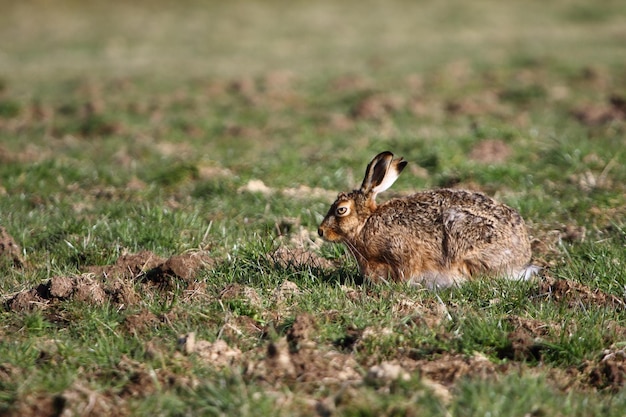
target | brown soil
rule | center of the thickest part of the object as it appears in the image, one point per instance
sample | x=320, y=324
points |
x=296, y=358
x=377, y=107
x=490, y=151
x=140, y=322
x=41, y=406
x=608, y=374
x=600, y=114
x=9, y=249
x=184, y=267
x=528, y=339
x=448, y=368
x=217, y=354
x=574, y=294
x=114, y=283
x=128, y=266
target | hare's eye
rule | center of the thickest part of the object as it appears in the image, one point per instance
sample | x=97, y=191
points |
x=342, y=210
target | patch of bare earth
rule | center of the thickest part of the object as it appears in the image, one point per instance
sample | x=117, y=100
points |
x=297, y=359
x=607, y=374
x=487, y=102
x=241, y=293
x=448, y=368
x=82, y=288
x=114, y=283
x=128, y=266
x=600, y=114
x=9, y=249
x=39, y=406
x=77, y=400
x=575, y=294
x=527, y=340
x=490, y=151
x=141, y=321
x=377, y=107
x=217, y=354
x=302, y=192
x=141, y=380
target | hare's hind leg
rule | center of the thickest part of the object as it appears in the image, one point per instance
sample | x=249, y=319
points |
x=466, y=234
x=484, y=244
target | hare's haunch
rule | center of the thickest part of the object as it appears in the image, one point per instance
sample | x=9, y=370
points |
x=434, y=238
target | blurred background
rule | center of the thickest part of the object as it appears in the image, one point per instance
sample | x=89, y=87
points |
x=41, y=39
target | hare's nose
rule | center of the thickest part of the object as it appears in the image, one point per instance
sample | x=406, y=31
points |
x=320, y=232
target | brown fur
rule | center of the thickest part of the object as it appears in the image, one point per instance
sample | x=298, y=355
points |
x=435, y=238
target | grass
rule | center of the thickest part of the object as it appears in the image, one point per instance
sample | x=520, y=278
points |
x=126, y=128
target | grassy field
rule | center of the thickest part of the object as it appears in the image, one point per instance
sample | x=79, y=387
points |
x=163, y=170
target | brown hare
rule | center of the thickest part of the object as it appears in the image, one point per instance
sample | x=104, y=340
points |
x=433, y=238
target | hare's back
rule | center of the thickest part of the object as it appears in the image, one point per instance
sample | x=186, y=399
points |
x=436, y=202
x=429, y=211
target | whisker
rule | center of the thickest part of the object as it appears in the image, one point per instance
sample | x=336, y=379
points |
x=354, y=251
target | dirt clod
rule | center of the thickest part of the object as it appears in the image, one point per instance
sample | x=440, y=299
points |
x=61, y=287
x=609, y=373
x=114, y=283
x=218, y=353
x=521, y=347
x=89, y=290
x=597, y=114
x=40, y=406
x=490, y=151
x=386, y=372
x=285, y=291
x=429, y=313
x=449, y=368
x=300, y=331
x=26, y=301
x=574, y=293
x=297, y=358
x=137, y=323
x=376, y=107
x=9, y=249
x=129, y=266
x=184, y=267
x=241, y=293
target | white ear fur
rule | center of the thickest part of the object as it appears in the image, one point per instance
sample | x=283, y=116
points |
x=392, y=174
x=381, y=173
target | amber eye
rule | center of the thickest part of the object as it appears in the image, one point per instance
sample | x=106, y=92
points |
x=342, y=210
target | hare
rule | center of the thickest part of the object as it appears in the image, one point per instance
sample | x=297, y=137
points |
x=432, y=238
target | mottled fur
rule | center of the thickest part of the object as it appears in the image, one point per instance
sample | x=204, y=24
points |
x=433, y=238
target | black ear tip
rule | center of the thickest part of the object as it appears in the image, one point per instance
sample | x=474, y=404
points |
x=402, y=164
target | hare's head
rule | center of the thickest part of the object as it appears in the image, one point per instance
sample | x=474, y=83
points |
x=350, y=211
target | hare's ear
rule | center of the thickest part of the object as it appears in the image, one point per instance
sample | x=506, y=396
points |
x=381, y=173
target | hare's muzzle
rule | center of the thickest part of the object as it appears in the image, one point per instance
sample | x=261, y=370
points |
x=326, y=230
x=328, y=234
